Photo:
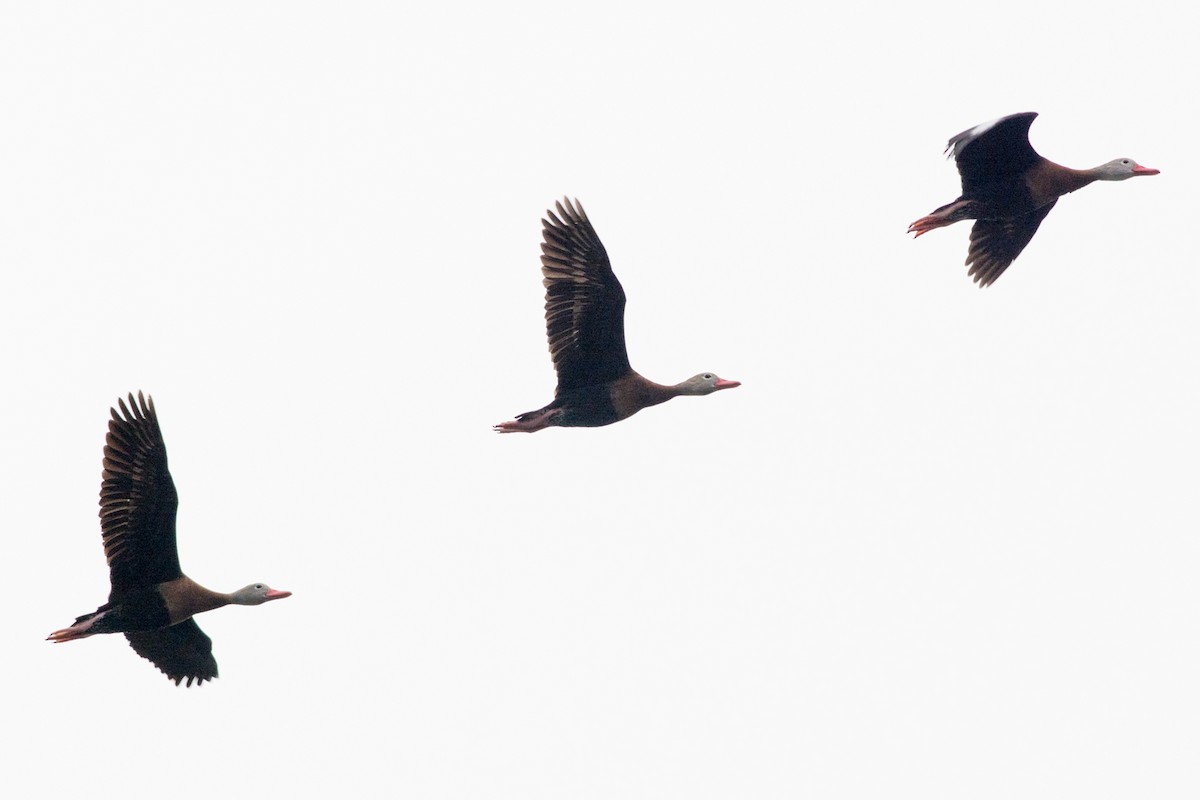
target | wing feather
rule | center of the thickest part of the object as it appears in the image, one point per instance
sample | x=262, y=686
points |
x=181, y=652
x=585, y=304
x=137, y=500
x=995, y=243
x=993, y=153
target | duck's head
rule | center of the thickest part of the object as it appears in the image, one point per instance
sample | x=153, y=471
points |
x=1120, y=169
x=706, y=383
x=256, y=594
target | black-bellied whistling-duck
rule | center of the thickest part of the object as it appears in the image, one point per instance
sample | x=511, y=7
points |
x=1008, y=189
x=152, y=602
x=585, y=324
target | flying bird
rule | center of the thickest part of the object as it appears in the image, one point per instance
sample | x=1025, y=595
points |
x=152, y=602
x=1008, y=189
x=585, y=326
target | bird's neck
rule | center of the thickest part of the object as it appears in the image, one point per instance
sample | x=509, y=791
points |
x=685, y=388
x=634, y=391
x=1072, y=179
x=655, y=393
x=1049, y=181
x=631, y=393
x=186, y=598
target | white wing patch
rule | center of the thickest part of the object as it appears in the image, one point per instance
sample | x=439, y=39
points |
x=983, y=128
x=965, y=138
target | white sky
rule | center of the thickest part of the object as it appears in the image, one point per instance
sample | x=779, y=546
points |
x=941, y=543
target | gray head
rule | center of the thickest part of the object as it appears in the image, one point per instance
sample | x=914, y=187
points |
x=256, y=594
x=705, y=383
x=1120, y=169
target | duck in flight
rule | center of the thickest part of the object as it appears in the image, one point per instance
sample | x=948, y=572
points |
x=1008, y=189
x=152, y=602
x=585, y=326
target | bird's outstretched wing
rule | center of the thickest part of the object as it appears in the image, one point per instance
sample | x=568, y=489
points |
x=993, y=152
x=996, y=242
x=181, y=652
x=585, y=305
x=137, y=500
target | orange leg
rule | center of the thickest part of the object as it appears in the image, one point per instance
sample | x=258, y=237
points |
x=527, y=423
x=80, y=630
x=940, y=218
x=925, y=225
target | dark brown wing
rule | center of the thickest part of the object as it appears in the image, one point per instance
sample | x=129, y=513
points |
x=585, y=305
x=181, y=651
x=996, y=242
x=993, y=153
x=137, y=500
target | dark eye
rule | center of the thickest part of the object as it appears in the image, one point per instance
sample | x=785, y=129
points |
x=707, y=377
x=1125, y=161
x=258, y=586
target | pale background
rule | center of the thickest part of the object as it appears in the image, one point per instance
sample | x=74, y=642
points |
x=941, y=543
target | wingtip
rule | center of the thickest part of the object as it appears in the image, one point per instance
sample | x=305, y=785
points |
x=139, y=409
x=573, y=211
x=179, y=680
